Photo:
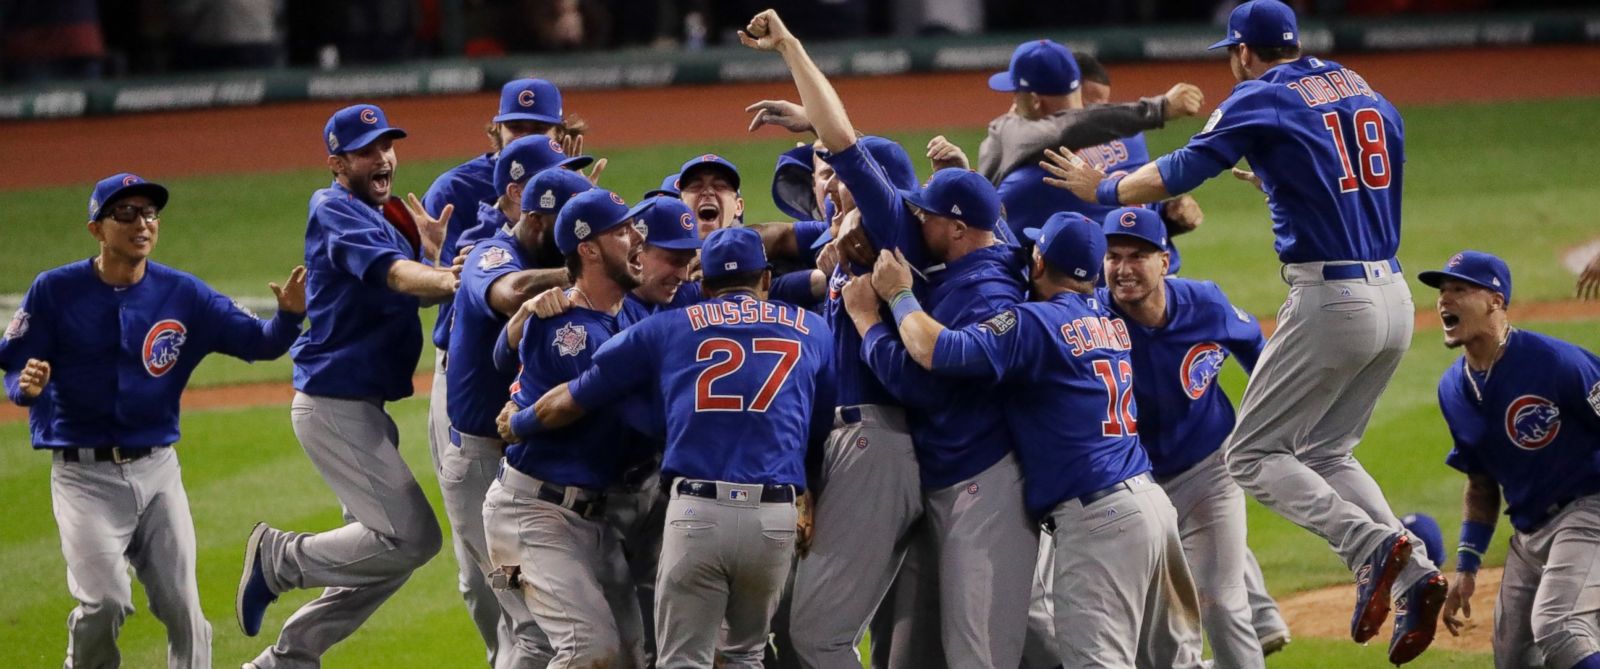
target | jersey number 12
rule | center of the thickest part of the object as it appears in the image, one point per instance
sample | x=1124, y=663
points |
x=1372, y=149
x=732, y=356
x=1119, y=420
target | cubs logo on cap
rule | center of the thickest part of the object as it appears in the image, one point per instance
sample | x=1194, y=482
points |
x=1138, y=223
x=529, y=100
x=122, y=185
x=709, y=161
x=665, y=222
x=162, y=345
x=356, y=126
x=530, y=155
x=1475, y=267
x=1200, y=367
x=586, y=215
x=1532, y=422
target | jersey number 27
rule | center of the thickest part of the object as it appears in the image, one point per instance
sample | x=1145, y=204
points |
x=733, y=356
x=1372, y=149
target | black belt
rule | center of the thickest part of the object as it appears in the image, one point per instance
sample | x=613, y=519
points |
x=115, y=454
x=1091, y=497
x=1346, y=272
x=592, y=507
x=770, y=494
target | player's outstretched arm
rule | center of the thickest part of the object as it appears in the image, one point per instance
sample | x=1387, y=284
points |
x=429, y=284
x=1480, y=507
x=1072, y=173
x=508, y=293
x=429, y=229
x=557, y=408
x=766, y=32
x=292, y=295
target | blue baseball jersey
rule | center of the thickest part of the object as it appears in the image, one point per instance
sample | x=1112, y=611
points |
x=1330, y=152
x=806, y=234
x=477, y=389
x=588, y=453
x=635, y=309
x=1184, y=415
x=1536, y=431
x=120, y=357
x=1029, y=201
x=745, y=383
x=364, y=338
x=466, y=186
x=957, y=429
x=1068, y=381
x=795, y=288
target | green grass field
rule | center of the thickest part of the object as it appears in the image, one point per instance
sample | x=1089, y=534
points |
x=1478, y=176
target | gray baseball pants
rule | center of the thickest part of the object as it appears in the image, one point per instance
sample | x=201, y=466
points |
x=637, y=512
x=986, y=549
x=725, y=559
x=870, y=496
x=905, y=628
x=1123, y=593
x=1203, y=524
x=1308, y=403
x=574, y=578
x=493, y=624
x=112, y=516
x=391, y=529
x=467, y=467
x=1548, y=612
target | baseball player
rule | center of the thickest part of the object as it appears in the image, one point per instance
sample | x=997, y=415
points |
x=364, y=285
x=528, y=107
x=500, y=273
x=1123, y=593
x=861, y=535
x=745, y=383
x=1329, y=152
x=709, y=184
x=1182, y=332
x=1523, y=411
x=96, y=345
x=544, y=517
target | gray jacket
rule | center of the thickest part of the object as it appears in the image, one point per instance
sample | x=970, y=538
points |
x=1014, y=141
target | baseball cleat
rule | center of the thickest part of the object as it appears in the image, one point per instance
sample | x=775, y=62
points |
x=1374, y=578
x=1416, y=618
x=250, y=603
x=1274, y=642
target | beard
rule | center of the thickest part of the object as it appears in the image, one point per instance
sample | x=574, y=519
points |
x=362, y=187
x=618, y=272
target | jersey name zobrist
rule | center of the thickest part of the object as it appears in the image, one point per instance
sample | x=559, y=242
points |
x=1091, y=333
x=1332, y=86
x=745, y=311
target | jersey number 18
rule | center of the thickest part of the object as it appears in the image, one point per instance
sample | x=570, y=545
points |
x=1372, y=149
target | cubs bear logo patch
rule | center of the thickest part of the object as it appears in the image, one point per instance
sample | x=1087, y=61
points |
x=1200, y=367
x=493, y=257
x=571, y=339
x=1532, y=422
x=162, y=345
x=18, y=325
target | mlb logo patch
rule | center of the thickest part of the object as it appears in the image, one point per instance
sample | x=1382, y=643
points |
x=493, y=257
x=571, y=339
x=19, y=326
x=739, y=495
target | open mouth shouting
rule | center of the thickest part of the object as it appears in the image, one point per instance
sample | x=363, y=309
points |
x=708, y=211
x=1450, y=319
x=382, y=182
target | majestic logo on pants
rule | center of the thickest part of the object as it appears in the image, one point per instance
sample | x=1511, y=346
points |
x=161, y=346
x=1532, y=422
x=1200, y=367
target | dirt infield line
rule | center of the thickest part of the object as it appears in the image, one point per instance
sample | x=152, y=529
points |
x=286, y=136
x=278, y=393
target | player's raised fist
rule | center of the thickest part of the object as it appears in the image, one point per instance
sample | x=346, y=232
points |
x=1182, y=214
x=766, y=32
x=1071, y=173
x=32, y=379
x=1184, y=100
x=292, y=295
x=550, y=303
x=502, y=422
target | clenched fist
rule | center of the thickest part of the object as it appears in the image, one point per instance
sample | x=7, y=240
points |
x=1184, y=100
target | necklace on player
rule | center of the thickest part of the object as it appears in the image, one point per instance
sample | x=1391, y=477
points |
x=585, y=297
x=1498, y=352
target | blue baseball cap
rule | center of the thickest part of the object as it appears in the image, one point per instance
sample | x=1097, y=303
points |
x=1039, y=66
x=548, y=191
x=356, y=126
x=587, y=215
x=669, y=187
x=1070, y=243
x=1427, y=529
x=121, y=185
x=960, y=194
x=732, y=251
x=1139, y=223
x=529, y=100
x=1261, y=23
x=1474, y=267
x=710, y=161
x=894, y=160
x=792, y=184
x=665, y=221
x=527, y=156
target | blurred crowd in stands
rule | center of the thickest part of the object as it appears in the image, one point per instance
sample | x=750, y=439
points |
x=42, y=40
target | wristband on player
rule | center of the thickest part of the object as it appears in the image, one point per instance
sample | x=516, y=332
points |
x=1475, y=538
x=526, y=422
x=1106, y=192
x=904, y=304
